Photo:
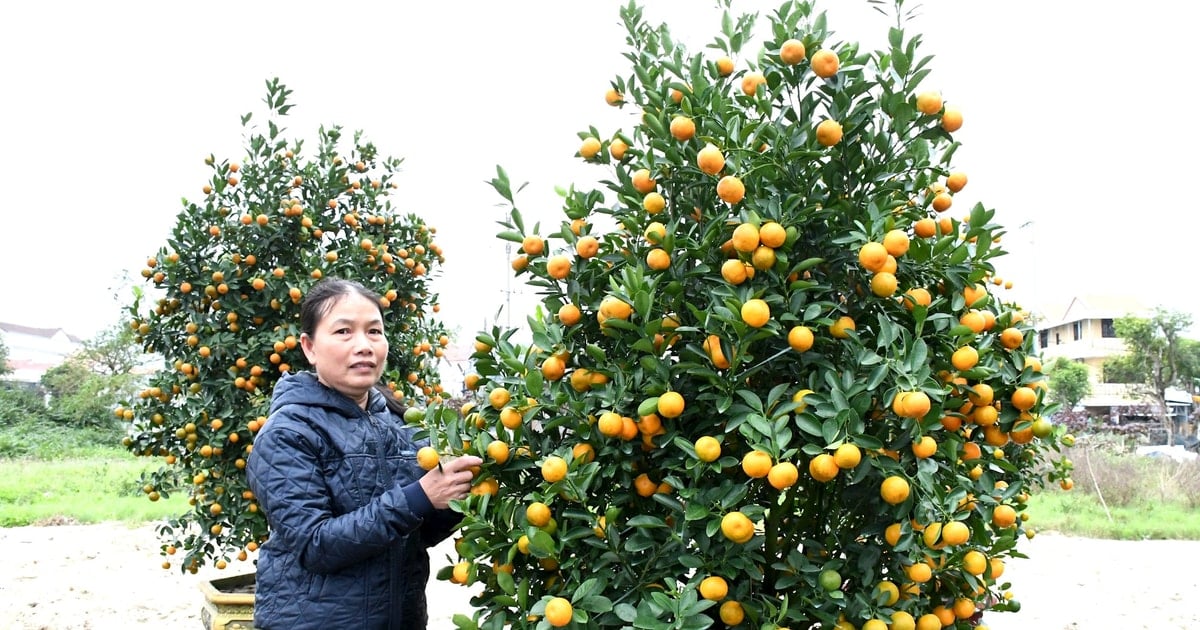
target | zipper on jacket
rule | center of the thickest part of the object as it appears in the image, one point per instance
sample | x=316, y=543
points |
x=381, y=472
x=395, y=586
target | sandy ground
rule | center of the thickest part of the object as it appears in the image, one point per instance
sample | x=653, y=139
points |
x=108, y=576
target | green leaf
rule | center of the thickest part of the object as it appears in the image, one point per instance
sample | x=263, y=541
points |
x=596, y=353
x=876, y=377
x=901, y=61
x=541, y=544
x=534, y=381
x=509, y=235
x=588, y=588
x=918, y=354
x=506, y=583
x=752, y=399
x=646, y=520
x=593, y=603
x=760, y=424
x=809, y=425
x=839, y=399
x=829, y=430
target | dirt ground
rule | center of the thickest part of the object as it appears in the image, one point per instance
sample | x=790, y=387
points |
x=108, y=576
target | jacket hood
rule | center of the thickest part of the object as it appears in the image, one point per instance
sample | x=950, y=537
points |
x=303, y=388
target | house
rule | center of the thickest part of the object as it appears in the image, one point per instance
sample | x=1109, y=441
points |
x=1083, y=330
x=454, y=367
x=33, y=351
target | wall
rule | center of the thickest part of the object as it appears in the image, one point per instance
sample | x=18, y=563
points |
x=33, y=351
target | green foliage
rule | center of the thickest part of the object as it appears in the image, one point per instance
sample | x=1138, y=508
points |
x=114, y=351
x=19, y=404
x=1143, y=497
x=1122, y=369
x=89, y=485
x=639, y=524
x=1189, y=365
x=30, y=492
x=33, y=435
x=223, y=310
x=1158, y=356
x=1069, y=382
x=84, y=389
x=82, y=398
x=1155, y=346
x=65, y=378
x=4, y=369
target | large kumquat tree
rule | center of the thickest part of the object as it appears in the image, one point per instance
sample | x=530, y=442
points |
x=772, y=382
x=223, y=311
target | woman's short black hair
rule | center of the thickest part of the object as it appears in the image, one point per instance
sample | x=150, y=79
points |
x=324, y=294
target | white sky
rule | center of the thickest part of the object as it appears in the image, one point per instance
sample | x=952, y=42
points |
x=1078, y=119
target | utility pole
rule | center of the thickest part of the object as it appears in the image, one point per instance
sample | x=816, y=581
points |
x=1034, y=296
x=507, y=287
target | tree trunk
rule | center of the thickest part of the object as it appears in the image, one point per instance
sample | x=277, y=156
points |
x=1164, y=414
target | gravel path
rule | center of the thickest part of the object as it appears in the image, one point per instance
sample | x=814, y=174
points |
x=108, y=576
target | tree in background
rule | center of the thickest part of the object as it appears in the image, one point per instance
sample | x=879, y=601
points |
x=114, y=350
x=1158, y=357
x=1122, y=369
x=17, y=404
x=81, y=397
x=1069, y=382
x=1189, y=365
x=86, y=387
x=4, y=369
x=772, y=381
x=224, y=304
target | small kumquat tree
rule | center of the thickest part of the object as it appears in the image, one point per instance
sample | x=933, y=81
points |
x=772, y=381
x=223, y=312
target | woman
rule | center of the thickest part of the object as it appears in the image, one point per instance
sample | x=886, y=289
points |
x=351, y=513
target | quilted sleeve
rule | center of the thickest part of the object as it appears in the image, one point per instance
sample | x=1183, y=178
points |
x=439, y=526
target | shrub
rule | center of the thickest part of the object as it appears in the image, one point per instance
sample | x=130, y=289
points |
x=223, y=311
x=35, y=435
x=4, y=368
x=768, y=369
x=1121, y=480
x=1186, y=481
x=80, y=397
x=19, y=403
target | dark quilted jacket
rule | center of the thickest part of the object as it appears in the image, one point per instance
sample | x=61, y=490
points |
x=349, y=524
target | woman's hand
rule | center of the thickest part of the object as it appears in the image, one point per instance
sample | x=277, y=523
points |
x=450, y=481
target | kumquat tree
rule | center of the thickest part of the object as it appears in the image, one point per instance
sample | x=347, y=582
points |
x=772, y=381
x=226, y=319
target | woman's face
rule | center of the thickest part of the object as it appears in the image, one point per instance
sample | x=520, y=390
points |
x=348, y=347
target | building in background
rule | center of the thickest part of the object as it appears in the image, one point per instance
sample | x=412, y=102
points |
x=453, y=368
x=1083, y=330
x=33, y=351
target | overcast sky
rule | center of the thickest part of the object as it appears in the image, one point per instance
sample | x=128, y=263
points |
x=1079, y=126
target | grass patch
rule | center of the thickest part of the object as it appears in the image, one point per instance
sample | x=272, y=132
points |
x=1082, y=515
x=92, y=489
x=1123, y=497
x=53, y=473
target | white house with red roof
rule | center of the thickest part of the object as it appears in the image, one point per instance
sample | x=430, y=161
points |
x=33, y=351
